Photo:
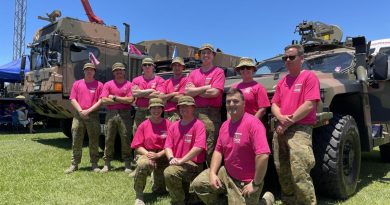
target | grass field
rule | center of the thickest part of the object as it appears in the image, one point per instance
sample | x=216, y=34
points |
x=32, y=172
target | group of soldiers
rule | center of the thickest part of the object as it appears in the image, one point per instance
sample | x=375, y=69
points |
x=176, y=132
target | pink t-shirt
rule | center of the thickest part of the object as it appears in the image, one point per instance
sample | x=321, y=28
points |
x=239, y=143
x=292, y=92
x=120, y=90
x=174, y=85
x=214, y=77
x=181, y=139
x=86, y=94
x=151, y=136
x=156, y=83
x=255, y=96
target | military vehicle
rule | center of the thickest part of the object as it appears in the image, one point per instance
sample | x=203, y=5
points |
x=354, y=112
x=60, y=49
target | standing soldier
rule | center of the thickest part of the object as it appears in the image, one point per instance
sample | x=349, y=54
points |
x=185, y=149
x=174, y=89
x=256, y=99
x=294, y=105
x=242, y=146
x=145, y=87
x=149, y=141
x=206, y=85
x=117, y=97
x=84, y=98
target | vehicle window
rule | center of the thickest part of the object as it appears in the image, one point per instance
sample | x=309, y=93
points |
x=330, y=63
x=272, y=66
x=385, y=50
x=84, y=54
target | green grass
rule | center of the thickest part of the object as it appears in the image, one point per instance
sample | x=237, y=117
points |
x=32, y=172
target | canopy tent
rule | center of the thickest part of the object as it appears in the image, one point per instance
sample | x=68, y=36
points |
x=10, y=72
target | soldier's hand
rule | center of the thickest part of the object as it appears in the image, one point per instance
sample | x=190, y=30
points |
x=83, y=114
x=283, y=120
x=248, y=189
x=214, y=181
x=152, y=155
x=174, y=161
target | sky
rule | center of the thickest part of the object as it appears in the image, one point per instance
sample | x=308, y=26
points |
x=251, y=28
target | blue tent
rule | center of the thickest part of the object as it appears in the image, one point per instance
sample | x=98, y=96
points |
x=10, y=72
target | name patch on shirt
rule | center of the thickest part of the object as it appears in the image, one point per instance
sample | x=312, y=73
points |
x=187, y=138
x=297, y=88
x=163, y=134
x=237, y=137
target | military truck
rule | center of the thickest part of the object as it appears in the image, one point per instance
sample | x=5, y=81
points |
x=354, y=112
x=60, y=49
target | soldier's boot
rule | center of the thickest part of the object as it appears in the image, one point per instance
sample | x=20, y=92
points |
x=128, y=167
x=71, y=169
x=267, y=199
x=95, y=167
x=139, y=199
x=106, y=168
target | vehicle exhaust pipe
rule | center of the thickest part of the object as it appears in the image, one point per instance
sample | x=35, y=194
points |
x=127, y=36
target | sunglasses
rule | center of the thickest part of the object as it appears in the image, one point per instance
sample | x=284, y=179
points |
x=245, y=68
x=290, y=58
x=147, y=65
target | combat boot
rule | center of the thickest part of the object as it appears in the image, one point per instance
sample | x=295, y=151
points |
x=268, y=198
x=106, y=168
x=128, y=167
x=71, y=169
x=95, y=167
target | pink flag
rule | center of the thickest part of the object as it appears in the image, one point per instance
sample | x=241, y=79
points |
x=93, y=59
x=134, y=50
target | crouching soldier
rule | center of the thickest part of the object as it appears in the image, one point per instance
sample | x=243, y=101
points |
x=149, y=142
x=243, y=146
x=185, y=148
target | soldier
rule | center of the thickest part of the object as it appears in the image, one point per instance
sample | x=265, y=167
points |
x=294, y=106
x=174, y=89
x=185, y=149
x=145, y=87
x=117, y=97
x=84, y=98
x=149, y=142
x=206, y=85
x=256, y=99
x=243, y=147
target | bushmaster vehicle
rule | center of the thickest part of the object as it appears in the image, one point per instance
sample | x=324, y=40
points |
x=354, y=112
x=60, y=49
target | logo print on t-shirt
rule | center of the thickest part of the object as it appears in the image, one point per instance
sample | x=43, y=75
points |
x=153, y=85
x=297, y=88
x=92, y=90
x=237, y=137
x=163, y=134
x=187, y=138
x=207, y=81
x=247, y=90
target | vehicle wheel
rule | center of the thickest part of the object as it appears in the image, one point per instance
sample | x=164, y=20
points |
x=337, y=151
x=66, y=126
x=385, y=152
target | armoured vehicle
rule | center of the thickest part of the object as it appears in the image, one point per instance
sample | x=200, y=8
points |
x=60, y=49
x=354, y=112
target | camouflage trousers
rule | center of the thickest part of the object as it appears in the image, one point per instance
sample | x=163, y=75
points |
x=141, y=115
x=118, y=122
x=294, y=158
x=211, y=117
x=144, y=169
x=172, y=116
x=79, y=127
x=178, y=179
x=230, y=187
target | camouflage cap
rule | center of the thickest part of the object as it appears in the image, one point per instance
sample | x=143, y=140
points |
x=147, y=61
x=118, y=66
x=89, y=65
x=207, y=46
x=245, y=61
x=155, y=102
x=178, y=60
x=186, y=100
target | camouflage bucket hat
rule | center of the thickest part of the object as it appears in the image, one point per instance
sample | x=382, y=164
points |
x=89, y=65
x=147, y=61
x=155, y=102
x=186, y=100
x=118, y=66
x=244, y=61
x=207, y=46
x=178, y=60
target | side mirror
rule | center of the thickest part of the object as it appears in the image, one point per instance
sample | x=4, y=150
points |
x=380, y=67
x=55, y=43
x=77, y=47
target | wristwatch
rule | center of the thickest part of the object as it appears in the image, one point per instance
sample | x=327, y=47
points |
x=114, y=98
x=170, y=159
x=255, y=185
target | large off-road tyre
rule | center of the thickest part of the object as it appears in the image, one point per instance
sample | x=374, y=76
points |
x=66, y=127
x=385, y=152
x=337, y=152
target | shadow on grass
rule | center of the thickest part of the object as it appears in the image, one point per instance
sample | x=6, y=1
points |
x=63, y=143
x=152, y=198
